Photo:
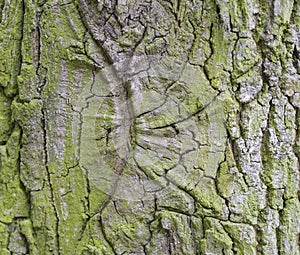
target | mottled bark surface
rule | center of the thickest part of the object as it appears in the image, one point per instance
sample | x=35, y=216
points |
x=149, y=127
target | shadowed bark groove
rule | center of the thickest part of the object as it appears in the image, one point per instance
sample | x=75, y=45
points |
x=149, y=127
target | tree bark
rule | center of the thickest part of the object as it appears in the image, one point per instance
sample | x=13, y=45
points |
x=149, y=127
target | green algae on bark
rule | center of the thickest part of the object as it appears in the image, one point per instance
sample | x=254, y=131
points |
x=153, y=127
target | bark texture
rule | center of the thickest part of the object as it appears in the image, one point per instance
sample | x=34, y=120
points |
x=149, y=127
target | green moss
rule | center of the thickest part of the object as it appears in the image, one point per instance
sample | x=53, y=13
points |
x=198, y=91
x=30, y=41
x=97, y=249
x=276, y=198
x=292, y=184
x=3, y=238
x=66, y=200
x=28, y=232
x=64, y=41
x=275, y=175
x=180, y=36
x=219, y=60
x=5, y=251
x=27, y=83
x=243, y=236
x=126, y=233
x=225, y=180
x=24, y=112
x=69, y=199
x=92, y=240
x=283, y=12
x=216, y=240
x=288, y=232
x=13, y=199
x=173, y=232
x=11, y=31
x=4, y=79
x=17, y=243
x=208, y=198
x=43, y=221
x=12, y=88
x=5, y=117
x=241, y=14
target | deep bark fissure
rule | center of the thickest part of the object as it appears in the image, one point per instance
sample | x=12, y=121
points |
x=49, y=180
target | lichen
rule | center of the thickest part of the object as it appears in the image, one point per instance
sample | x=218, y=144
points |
x=131, y=127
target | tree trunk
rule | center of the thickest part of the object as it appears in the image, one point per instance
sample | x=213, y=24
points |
x=149, y=127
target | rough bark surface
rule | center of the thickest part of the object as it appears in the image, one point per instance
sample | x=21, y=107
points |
x=149, y=127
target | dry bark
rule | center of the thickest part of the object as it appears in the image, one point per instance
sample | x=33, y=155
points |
x=149, y=127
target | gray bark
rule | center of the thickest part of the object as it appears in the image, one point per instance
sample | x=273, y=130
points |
x=149, y=127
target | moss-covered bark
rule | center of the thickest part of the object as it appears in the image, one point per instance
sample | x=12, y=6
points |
x=149, y=127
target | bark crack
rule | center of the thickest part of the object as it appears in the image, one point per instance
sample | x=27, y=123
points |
x=49, y=180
